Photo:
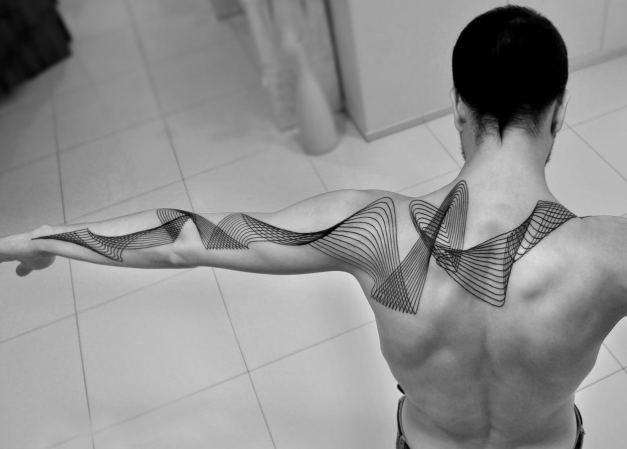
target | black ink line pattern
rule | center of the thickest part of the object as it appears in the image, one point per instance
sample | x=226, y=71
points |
x=484, y=269
x=367, y=240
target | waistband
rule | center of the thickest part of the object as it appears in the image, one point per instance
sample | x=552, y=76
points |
x=580, y=430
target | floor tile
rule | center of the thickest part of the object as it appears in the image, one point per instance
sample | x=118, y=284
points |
x=27, y=303
x=34, y=92
x=26, y=134
x=604, y=366
x=124, y=165
x=191, y=79
x=96, y=59
x=93, y=283
x=604, y=407
x=597, y=90
x=582, y=181
x=166, y=10
x=226, y=416
x=157, y=345
x=617, y=342
x=178, y=36
x=89, y=17
x=431, y=185
x=337, y=395
x=223, y=131
x=266, y=182
x=82, y=116
x=95, y=111
x=30, y=196
x=172, y=195
x=607, y=135
x=83, y=442
x=391, y=163
x=42, y=388
x=447, y=134
x=277, y=315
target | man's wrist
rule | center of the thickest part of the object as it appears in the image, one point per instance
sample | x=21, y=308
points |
x=29, y=240
x=41, y=231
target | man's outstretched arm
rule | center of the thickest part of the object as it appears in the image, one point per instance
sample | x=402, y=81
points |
x=279, y=242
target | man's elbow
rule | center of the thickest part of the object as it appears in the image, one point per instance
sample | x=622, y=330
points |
x=180, y=256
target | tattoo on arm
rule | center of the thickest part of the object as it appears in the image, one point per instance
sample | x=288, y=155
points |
x=367, y=240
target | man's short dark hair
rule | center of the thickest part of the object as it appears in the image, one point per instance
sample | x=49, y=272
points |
x=509, y=64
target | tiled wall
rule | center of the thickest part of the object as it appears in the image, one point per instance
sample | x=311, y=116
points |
x=395, y=56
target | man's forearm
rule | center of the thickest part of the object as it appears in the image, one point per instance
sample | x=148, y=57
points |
x=108, y=242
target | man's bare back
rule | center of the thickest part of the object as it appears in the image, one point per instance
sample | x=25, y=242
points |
x=479, y=376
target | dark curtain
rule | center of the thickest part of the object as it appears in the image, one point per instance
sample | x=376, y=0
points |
x=32, y=38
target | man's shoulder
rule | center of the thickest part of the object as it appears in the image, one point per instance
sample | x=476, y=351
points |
x=602, y=241
x=348, y=201
x=331, y=208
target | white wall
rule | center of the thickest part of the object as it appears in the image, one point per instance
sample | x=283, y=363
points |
x=395, y=56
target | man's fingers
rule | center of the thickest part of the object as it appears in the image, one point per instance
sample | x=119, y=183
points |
x=22, y=270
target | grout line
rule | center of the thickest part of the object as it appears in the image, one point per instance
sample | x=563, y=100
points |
x=595, y=117
x=601, y=379
x=110, y=134
x=178, y=163
x=442, y=175
x=58, y=156
x=131, y=292
x=228, y=314
x=35, y=329
x=117, y=203
x=80, y=348
x=232, y=162
x=311, y=346
x=318, y=175
x=241, y=350
x=75, y=437
x=155, y=92
x=613, y=355
x=441, y=144
x=24, y=164
x=74, y=302
x=168, y=403
x=599, y=155
x=263, y=414
x=92, y=307
x=202, y=172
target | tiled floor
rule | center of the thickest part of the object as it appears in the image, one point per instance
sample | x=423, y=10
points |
x=161, y=106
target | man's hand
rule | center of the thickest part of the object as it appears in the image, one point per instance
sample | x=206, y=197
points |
x=21, y=248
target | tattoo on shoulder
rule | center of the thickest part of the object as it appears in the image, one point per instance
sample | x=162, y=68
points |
x=367, y=240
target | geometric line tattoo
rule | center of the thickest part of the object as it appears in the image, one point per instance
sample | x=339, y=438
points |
x=367, y=240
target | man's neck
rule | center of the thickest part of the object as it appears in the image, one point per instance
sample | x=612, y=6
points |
x=513, y=166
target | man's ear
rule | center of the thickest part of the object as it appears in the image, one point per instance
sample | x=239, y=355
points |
x=557, y=121
x=460, y=111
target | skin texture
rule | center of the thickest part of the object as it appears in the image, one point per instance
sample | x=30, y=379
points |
x=475, y=375
x=366, y=240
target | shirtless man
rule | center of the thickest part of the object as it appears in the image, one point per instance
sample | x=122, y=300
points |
x=491, y=299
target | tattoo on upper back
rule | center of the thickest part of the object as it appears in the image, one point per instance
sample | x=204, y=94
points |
x=367, y=240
